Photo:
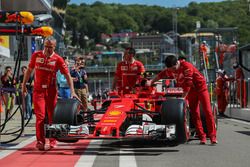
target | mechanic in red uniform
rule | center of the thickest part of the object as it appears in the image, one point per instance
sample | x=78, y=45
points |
x=222, y=91
x=232, y=48
x=220, y=50
x=204, y=51
x=45, y=64
x=195, y=91
x=240, y=84
x=127, y=72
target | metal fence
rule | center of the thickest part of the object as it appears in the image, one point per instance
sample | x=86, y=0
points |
x=239, y=94
x=105, y=69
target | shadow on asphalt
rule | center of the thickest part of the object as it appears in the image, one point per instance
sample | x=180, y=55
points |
x=140, y=144
x=117, y=148
x=244, y=132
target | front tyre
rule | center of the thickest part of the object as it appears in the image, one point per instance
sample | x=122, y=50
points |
x=67, y=111
x=174, y=111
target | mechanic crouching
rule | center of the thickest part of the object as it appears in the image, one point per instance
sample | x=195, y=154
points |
x=195, y=91
x=45, y=63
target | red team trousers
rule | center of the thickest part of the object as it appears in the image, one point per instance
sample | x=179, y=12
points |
x=42, y=98
x=194, y=97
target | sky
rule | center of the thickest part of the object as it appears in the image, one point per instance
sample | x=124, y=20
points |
x=164, y=3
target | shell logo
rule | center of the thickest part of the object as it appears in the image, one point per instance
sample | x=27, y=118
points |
x=109, y=121
x=115, y=113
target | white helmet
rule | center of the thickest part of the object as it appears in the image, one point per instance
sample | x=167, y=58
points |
x=220, y=71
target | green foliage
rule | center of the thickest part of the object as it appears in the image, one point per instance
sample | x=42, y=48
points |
x=109, y=61
x=92, y=20
x=212, y=24
x=74, y=40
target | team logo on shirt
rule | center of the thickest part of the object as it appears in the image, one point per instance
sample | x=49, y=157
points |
x=52, y=63
x=135, y=68
x=124, y=68
x=39, y=60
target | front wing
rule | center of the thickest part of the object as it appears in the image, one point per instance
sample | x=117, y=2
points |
x=84, y=131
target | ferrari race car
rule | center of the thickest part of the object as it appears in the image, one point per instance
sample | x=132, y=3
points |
x=146, y=113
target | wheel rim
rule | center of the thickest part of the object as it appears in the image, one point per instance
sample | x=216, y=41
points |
x=215, y=112
x=187, y=123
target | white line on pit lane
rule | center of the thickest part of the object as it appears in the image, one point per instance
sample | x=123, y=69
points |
x=127, y=159
x=88, y=160
x=10, y=150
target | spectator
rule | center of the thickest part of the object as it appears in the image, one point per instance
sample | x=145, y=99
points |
x=45, y=63
x=79, y=76
x=27, y=99
x=64, y=89
x=99, y=94
x=8, y=82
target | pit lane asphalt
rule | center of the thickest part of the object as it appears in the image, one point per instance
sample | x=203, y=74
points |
x=233, y=150
x=13, y=125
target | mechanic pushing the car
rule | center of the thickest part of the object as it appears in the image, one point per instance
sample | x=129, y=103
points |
x=45, y=64
x=195, y=91
x=127, y=72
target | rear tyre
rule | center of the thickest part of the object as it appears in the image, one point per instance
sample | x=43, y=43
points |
x=175, y=112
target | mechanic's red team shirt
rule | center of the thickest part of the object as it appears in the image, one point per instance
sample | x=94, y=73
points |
x=127, y=74
x=46, y=68
x=187, y=77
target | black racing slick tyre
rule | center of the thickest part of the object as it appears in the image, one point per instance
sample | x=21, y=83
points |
x=67, y=111
x=203, y=117
x=174, y=111
x=65, y=140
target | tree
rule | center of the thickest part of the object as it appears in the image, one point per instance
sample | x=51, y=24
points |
x=110, y=18
x=212, y=24
x=82, y=41
x=124, y=21
x=193, y=9
x=104, y=25
x=74, y=37
x=163, y=24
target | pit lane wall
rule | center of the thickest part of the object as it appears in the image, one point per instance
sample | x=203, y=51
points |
x=235, y=108
x=238, y=113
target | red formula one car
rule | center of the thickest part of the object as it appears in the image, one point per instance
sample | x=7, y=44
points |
x=146, y=114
